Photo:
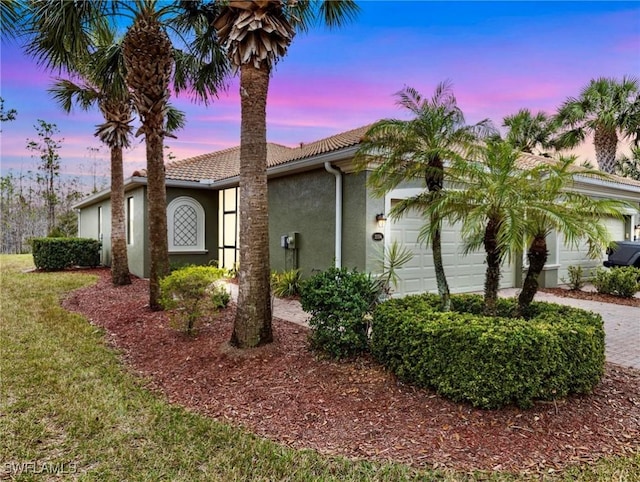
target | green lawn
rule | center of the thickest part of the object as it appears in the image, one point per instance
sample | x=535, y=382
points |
x=68, y=406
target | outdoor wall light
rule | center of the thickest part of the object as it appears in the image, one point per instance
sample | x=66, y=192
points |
x=381, y=219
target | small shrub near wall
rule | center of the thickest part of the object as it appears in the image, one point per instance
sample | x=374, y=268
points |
x=576, y=279
x=286, y=284
x=623, y=281
x=339, y=301
x=60, y=253
x=490, y=361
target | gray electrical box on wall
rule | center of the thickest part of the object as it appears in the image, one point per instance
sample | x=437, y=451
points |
x=292, y=240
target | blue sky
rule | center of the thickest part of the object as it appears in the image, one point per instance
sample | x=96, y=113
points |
x=500, y=56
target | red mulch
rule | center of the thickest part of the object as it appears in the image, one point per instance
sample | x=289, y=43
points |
x=592, y=296
x=355, y=409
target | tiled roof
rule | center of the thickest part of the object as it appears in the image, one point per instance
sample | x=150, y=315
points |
x=225, y=164
x=528, y=161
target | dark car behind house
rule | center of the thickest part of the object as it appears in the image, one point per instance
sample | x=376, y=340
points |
x=624, y=253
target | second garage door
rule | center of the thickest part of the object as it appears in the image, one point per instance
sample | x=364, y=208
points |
x=577, y=256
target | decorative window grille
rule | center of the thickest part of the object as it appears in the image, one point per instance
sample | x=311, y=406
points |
x=186, y=225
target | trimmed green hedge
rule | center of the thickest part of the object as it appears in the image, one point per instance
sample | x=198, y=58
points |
x=59, y=253
x=490, y=361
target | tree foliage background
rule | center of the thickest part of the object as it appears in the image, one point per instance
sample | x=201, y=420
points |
x=37, y=201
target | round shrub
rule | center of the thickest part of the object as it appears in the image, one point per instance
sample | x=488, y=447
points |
x=191, y=290
x=490, y=361
x=339, y=301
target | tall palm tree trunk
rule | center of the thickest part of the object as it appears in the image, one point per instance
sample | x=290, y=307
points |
x=492, y=279
x=157, y=212
x=605, y=142
x=119, y=260
x=252, y=325
x=537, y=256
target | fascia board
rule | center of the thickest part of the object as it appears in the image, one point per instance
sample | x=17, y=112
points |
x=587, y=182
x=129, y=183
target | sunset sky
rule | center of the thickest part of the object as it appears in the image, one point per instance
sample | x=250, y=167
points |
x=500, y=56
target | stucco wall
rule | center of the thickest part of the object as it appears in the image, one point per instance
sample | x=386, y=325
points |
x=302, y=203
x=88, y=221
x=137, y=252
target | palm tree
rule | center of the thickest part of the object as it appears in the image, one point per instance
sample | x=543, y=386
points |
x=148, y=58
x=530, y=133
x=418, y=148
x=607, y=108
x=256, y=35
x=62, y=35
x=556, y=206
x=106, y=88
x=488, y=199
x=150, y=61
x=507, y=209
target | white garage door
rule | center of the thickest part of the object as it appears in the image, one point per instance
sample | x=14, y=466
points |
x=615, y=228
x=577, y=256
x=464, y=273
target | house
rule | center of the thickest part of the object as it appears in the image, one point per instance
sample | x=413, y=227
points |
x=321, y=213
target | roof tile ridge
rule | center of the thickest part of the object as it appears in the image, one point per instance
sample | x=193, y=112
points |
x=201, y=157
x=331, y=138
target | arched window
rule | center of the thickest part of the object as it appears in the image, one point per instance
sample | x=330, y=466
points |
x=185, y=222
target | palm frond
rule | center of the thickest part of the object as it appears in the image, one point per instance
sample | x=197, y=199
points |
x=175, y=119
x=60, y=32
x=67, y=93
x=12, y=17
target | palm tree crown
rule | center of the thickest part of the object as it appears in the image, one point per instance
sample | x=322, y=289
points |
x=403, y=150
x=531, y=133
x=607, y=108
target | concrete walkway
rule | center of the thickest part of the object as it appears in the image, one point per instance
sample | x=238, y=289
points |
x=289, y=310
x=621, y=322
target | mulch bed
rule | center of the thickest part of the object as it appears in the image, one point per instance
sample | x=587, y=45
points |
x=592, y=296
x=355, y=409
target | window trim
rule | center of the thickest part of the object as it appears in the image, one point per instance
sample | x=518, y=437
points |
x=224, y=211
x=129, y=220
x=200, y=247
x=100, y=224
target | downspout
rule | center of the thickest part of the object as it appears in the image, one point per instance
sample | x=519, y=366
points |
x=338, y=242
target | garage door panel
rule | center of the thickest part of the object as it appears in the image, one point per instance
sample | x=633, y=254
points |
x=464, y=273
x=615, y=228
x=570, y=255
